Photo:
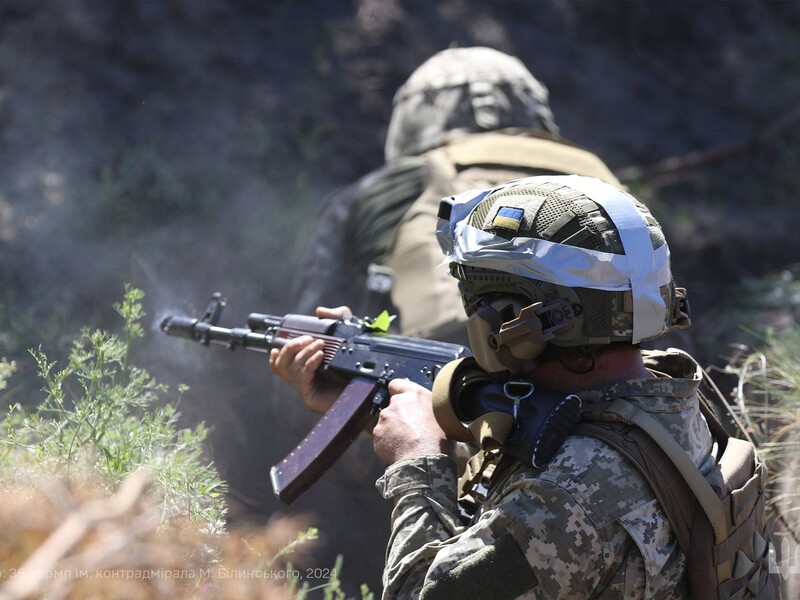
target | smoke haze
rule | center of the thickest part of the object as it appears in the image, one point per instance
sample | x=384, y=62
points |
x=185, y=148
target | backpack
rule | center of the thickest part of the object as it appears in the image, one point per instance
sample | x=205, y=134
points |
x=719, y=519
x=423, y=292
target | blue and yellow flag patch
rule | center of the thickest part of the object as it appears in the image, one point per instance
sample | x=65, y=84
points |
x=508, y=218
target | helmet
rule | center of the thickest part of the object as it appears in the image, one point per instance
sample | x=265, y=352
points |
x=465, y=90
x=562, y=260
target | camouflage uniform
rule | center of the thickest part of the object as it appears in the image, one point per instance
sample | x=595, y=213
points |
x=457, y=91
x=357, y=224
x=586, y=526
x=352, y=232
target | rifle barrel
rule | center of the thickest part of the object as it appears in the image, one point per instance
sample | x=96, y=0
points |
x=200, y=331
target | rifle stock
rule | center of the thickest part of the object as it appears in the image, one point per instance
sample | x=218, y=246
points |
x=354, y=352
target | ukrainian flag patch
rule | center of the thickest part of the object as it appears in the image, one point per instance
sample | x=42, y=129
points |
x=508, y=218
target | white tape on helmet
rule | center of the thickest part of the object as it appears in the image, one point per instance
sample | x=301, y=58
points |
x=642, y=269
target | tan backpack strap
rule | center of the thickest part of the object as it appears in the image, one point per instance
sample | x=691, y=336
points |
x=719, y=521
x=708, y=499
x=483, y=471
x=477, y=471
x=664, y=479
x=528, y=153
x=473, y=485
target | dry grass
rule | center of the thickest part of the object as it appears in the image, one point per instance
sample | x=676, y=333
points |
x=60, y=540
x=767, y=399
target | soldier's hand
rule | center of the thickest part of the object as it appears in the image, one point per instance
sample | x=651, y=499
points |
x=407, y=428
x=299, y=359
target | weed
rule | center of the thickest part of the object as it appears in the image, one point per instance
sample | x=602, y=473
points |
x=105, y=416
x=104, y=429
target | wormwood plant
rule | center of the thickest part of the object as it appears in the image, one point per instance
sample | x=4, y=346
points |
x=6, y=369
x=102, y=417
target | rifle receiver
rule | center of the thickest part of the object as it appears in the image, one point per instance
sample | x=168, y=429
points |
x=354, y=352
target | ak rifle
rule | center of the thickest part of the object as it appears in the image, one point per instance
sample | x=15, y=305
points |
x=356, y=352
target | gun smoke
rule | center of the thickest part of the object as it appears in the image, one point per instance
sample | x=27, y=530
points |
x=185, y=148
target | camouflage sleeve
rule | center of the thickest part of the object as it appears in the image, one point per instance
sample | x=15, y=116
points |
x=535, y=541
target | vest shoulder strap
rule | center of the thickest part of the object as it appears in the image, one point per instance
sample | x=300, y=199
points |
x=671, y=491
x=534, y=153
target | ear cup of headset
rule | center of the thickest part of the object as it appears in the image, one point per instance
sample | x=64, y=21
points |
x=484, y=327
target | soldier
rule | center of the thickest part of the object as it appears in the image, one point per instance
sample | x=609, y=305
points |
x=562, y=277
x=466, y=118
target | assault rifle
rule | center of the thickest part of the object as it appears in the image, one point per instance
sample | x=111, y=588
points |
x=356, y=352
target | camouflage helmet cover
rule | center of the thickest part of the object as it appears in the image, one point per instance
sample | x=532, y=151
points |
x=465, y=90
x=570, y=239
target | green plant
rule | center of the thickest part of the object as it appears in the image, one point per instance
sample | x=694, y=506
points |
x=104, y=417
x=6, y=370
x=331, y=589
x=143, y=189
